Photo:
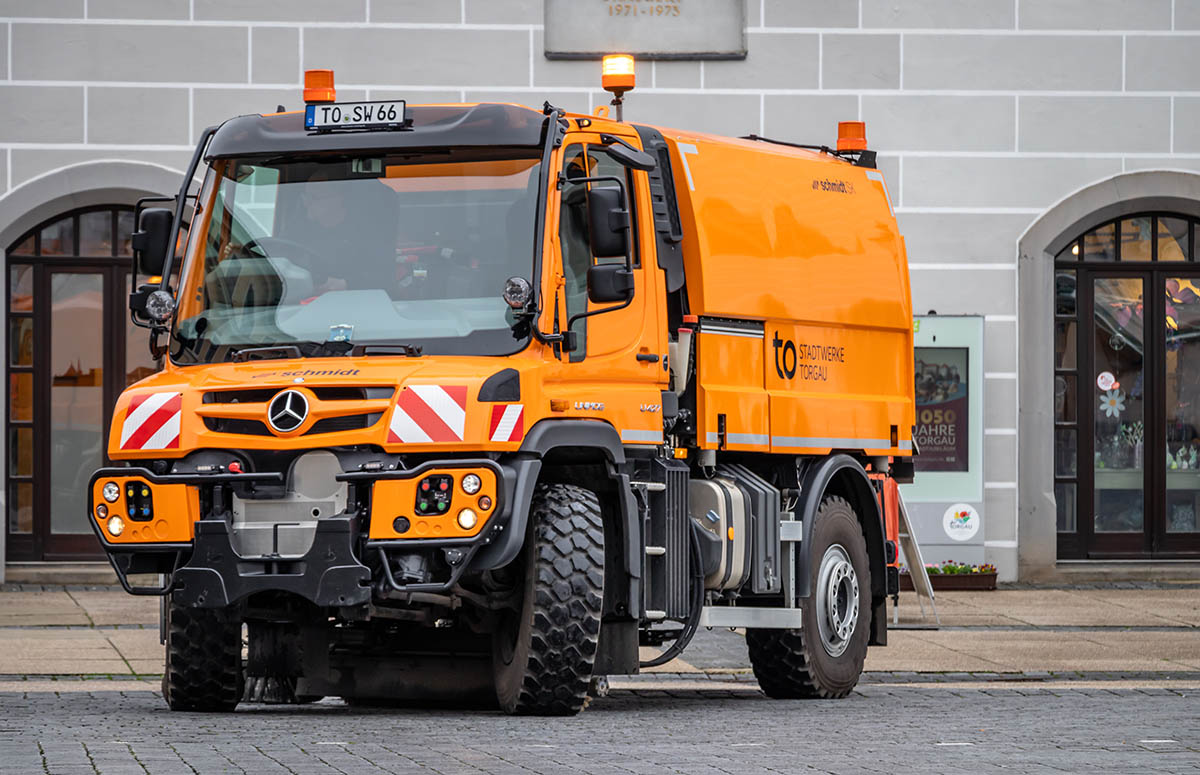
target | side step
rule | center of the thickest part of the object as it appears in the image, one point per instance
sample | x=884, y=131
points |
x=745, y=616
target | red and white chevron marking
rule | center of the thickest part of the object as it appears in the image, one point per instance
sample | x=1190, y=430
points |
x=508, y=422
x=426, y=413
x=152, y=421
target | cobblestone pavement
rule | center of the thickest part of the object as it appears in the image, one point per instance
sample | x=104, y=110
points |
x=695, y=724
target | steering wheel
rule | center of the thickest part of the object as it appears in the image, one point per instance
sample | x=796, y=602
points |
x=266, y=246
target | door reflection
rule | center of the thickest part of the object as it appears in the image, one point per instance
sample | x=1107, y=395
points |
x=76, y=395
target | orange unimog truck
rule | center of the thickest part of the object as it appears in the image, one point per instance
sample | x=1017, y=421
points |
x=469, y=402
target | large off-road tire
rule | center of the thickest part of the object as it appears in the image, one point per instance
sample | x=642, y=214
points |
x=543, y=653
x=824, y=658
x=204, y=659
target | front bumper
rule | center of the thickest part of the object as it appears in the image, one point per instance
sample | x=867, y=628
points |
x=192, y=547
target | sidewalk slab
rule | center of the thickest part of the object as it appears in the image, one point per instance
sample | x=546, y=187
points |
x=115, y=606
x=103, y=631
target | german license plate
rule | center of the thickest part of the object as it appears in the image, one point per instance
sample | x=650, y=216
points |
x=380, y=114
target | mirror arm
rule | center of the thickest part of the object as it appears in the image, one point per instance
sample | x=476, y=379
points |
x=580, y=315
x=181, y=202
x=556, y=127
x=608, y=139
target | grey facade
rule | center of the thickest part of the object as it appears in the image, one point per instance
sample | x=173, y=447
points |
x=1004, y=128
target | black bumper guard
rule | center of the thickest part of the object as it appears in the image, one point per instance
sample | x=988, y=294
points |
x=328, y=574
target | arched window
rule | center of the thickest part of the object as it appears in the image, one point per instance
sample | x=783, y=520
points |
x=1127, y=388
x=71, y=350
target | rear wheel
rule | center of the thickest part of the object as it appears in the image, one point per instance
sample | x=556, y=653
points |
x=543, y=653
x=825, y=657
x=203, y=669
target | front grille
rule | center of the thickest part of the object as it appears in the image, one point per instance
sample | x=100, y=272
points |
x=250, y=396
x=237, y=426
x=325, y=393
x=353, y=422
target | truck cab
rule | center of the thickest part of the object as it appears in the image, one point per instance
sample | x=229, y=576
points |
x=438, y=418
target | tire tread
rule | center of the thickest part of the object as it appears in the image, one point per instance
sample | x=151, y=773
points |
x=568, y=594
x=783, y=659
x=203, y=670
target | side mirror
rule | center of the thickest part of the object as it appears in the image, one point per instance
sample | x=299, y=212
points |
x=150, y=240
x=609, y=282
x=608, y=223
x=628, y=157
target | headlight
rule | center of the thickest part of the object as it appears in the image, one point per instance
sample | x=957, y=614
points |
x=471, y=484
x=111, y=492
x=116, y=526
x=160, y=305
x=467, y=519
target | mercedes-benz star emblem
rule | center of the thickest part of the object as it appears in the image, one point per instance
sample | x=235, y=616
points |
x=287, y=411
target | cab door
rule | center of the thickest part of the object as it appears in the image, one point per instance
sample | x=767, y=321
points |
x=620, y=356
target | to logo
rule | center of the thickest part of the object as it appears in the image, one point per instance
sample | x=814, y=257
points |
x=789, y=353
x=287, y=411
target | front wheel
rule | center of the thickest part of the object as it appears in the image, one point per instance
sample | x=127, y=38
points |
x=825, y=657
x=543, y=653
x=203, y=669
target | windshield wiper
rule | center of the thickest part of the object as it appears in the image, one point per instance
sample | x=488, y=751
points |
x=296, y=350
x=409, y=350
x=270, y=352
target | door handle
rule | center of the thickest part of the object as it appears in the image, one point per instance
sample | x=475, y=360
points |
x=647, y=358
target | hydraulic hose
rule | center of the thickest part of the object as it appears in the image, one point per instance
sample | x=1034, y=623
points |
x=693, y=622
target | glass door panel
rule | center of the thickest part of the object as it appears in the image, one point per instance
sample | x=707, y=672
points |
x=1118, y=406
x=76, y=395
x=1182, y=403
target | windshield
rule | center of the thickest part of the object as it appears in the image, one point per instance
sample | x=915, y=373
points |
x=411, y=249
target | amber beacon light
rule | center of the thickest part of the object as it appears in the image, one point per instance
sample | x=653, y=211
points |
x=318, y=86
x=617, y=76
x=852, y=136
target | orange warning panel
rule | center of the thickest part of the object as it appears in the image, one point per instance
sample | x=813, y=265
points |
x=400, y=508
x=165, y=513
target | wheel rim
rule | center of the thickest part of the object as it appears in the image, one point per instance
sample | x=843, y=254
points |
x=836, y=600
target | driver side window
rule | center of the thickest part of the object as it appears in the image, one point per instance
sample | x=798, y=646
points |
x=581, y=161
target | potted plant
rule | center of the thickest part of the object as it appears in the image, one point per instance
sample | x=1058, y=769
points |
x=952, y=575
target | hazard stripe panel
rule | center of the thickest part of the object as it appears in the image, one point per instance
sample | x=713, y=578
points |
x=508, y=422
x=152, y=421
x=429, y=413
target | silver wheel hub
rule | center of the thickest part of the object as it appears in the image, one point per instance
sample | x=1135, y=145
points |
x=836, y=600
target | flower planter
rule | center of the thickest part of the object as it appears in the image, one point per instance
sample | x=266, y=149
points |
x=943, y=582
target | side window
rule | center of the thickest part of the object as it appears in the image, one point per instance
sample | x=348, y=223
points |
x=577, y=256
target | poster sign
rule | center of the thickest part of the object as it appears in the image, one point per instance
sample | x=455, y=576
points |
x=648, y=29
x=942, y=404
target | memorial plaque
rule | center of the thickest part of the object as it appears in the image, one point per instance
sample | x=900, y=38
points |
x=648, y=29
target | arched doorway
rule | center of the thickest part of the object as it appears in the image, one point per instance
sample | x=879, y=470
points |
x=71, y=351
x=1127, y=389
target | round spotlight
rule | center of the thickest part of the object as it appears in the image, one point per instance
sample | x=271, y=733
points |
x=467, y=519
x=471, y=484
x=485, y=503
x=517, y=292
x=160, y=306
x=111, y=492
x=101, y=510
x=116, y=525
